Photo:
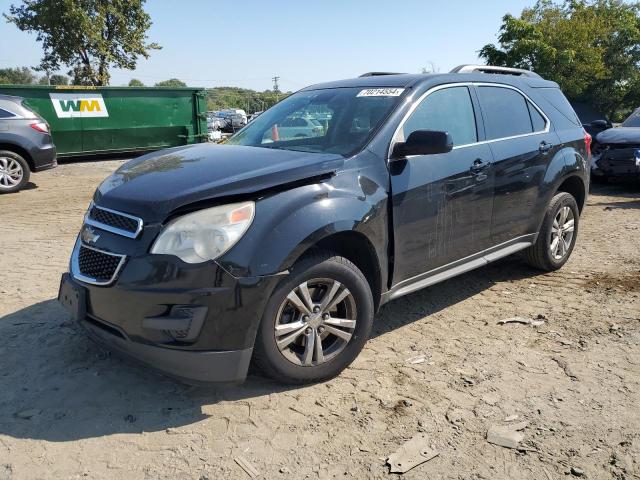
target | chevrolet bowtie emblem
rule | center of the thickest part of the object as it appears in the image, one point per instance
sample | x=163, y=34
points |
x=89, y=235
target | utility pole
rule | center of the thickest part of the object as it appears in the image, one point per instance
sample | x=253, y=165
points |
x=275, y=86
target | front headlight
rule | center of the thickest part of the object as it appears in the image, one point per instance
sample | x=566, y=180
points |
x=206, y=234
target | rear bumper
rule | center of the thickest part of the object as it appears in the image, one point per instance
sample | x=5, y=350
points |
x=44, y=158
x=195, y=367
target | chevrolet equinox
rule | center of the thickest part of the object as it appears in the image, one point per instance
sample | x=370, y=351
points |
x=279, y=247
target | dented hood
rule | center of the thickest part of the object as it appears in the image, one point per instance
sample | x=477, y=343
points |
x=154, y=185
x=619, y=135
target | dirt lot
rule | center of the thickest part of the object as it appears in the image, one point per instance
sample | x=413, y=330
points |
x=70, y=410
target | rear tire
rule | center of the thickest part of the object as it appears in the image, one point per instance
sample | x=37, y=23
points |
x=303, y=337
x=14, y=172
x=557, y=235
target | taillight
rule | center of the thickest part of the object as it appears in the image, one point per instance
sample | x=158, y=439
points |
x=40, y=127
x=587, y=142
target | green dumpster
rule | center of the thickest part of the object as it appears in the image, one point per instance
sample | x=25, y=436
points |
x=90, y=120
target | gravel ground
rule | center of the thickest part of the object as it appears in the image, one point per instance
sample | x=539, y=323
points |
x=438, y=364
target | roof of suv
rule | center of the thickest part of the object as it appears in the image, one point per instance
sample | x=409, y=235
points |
x=406, y=80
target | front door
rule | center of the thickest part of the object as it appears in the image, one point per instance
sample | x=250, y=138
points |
x=441, y=203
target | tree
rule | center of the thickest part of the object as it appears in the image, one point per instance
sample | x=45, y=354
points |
x=55, y=79
x=591, y=48
x=88, y=36
x=134, y=82
x=22, y=75
x=219, y=98
x=172, y=82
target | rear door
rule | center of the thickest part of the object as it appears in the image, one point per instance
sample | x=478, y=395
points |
x=522, y=144
x=441, y=203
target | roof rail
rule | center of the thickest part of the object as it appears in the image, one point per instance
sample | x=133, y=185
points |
x=519, y=72
x=378, y=74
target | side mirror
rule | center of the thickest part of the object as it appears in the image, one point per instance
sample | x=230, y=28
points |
x=423, y=142
x=601, y=124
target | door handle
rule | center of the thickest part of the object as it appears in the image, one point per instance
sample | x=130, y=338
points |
x=545, y=147
x=479, y=165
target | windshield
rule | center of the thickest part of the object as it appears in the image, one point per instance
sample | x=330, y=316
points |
x=633, y=120
x=337, y=120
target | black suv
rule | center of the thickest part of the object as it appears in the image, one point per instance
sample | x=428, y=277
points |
x=280, y=246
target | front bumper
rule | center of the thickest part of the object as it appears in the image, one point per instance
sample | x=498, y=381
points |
x=619, y=162
x=136, y=315
x=188, y=366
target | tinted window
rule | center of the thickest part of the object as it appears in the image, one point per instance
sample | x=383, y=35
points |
x=555, y=97
x=633, y=120
x=449, y=110
x=5, y=114
x=538, y=120
x=505, y=112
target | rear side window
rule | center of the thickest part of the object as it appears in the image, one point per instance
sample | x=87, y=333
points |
x=505, y=111
x=538, y=121
x=5, y=114
x=557, y=99
x=449, y=110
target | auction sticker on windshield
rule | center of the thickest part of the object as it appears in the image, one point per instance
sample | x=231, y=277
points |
x=380, y=92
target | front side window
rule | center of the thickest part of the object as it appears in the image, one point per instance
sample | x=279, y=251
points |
x=448, y=110
x=335, y=120
x=505, y=111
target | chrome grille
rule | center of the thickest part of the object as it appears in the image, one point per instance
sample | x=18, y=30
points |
x=95, y=266
x=113, y=221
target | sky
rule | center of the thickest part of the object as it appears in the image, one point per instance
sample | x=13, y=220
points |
x=245, y=43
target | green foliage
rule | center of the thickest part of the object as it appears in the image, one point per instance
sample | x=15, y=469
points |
x=57, y=79
x=591, y=48
x=88, y=36
x=134, y=82
x=250, y=101
x=22, y=75
x=172, y=82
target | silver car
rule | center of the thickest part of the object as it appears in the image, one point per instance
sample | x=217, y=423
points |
x=25, y=144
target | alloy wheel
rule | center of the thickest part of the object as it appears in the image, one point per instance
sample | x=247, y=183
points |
x=315, y=322
x=11, y=172
x=562, y=233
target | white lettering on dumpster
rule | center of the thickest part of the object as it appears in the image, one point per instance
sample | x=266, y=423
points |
x=78, y=105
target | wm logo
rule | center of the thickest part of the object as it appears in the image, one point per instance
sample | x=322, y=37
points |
x=78, y=105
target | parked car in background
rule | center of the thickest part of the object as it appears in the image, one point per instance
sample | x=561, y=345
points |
x=592, y=120
x=200, y=259
x=616, y=151
x=253, y=116
x=25, y=144
x=233, y=119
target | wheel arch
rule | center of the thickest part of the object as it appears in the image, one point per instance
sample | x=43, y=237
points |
x=17, y=149
x=358, y=249
x=574, y=185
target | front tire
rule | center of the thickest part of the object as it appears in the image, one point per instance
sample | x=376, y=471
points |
x=557, y=235
x=316, y=322
x=14, y=172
